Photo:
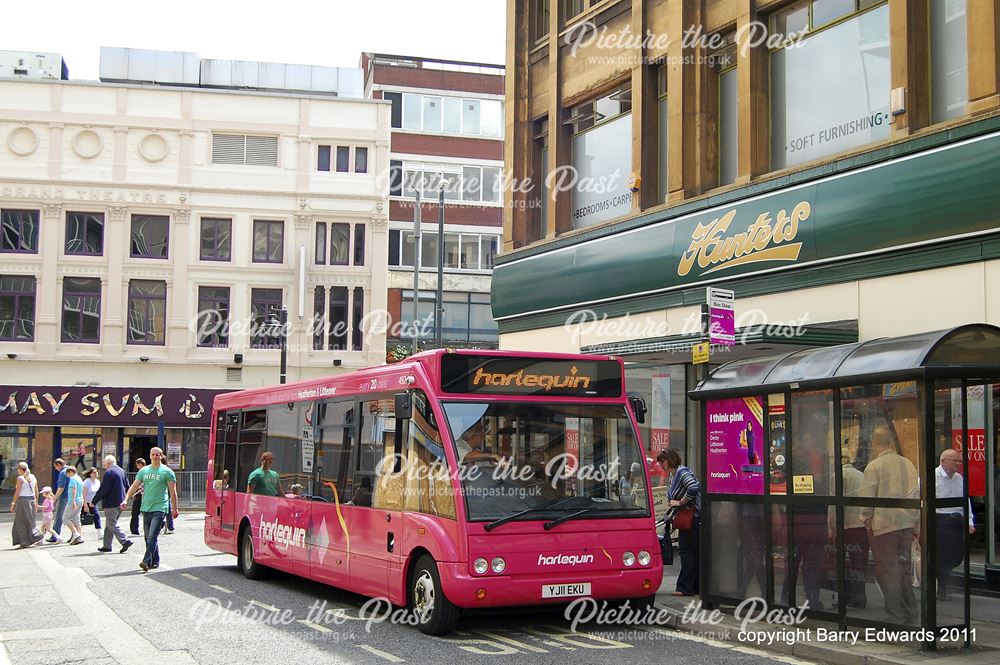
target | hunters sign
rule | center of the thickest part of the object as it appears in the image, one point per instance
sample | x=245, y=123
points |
x=123, y=407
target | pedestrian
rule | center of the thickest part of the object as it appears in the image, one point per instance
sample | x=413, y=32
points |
x=133, y=525
x=3, y=470
x=62, y=482
x=684, y=490
x=889, y=475
x=91, y=484
x=81, y=456
x=48, y=507
x=263, y=480
x=25, y=532
x=159, y=486
x=111, y=495
x=856, y=546
x=950, y=539
x=74, y=504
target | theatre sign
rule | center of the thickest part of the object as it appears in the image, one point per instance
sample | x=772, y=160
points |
x=89, y=405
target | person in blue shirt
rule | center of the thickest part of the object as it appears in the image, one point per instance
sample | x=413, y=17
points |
x=62, y=484
x=110, y=495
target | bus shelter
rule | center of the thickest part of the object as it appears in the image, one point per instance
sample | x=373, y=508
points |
x=820, y=476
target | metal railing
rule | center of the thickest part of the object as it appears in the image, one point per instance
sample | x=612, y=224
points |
x=190, y=487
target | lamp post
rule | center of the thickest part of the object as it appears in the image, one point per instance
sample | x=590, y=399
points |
x=439, y=300
x=277, y=327
x=416, y=270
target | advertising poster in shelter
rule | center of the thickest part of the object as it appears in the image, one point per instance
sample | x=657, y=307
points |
x=735, y=440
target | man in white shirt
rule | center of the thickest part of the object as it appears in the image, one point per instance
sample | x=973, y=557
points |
x=470, y=445
x=950, y=520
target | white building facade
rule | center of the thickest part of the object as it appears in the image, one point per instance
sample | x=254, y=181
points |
x=151, y=236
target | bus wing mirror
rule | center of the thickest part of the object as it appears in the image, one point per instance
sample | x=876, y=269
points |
x=638, y=407
x=404, y=406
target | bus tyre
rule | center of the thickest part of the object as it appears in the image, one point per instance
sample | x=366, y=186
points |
x=435, y=614
x=251, y=569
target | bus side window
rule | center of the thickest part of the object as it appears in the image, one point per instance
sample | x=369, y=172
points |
x=284, y=441
x=227, y=425
x=333, y=439
x=374, y=418
x=252, y=431
x=428, y=483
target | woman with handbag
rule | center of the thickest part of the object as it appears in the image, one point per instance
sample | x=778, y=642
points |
x=684, y=493
x=91, y=483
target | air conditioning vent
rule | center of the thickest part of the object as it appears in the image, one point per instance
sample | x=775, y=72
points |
x=243, y=150
x=234, y=375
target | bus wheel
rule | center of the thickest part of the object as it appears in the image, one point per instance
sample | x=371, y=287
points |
x=251, y=569
x=436, y=615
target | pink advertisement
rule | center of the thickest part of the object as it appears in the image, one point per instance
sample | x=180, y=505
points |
x=735, y=439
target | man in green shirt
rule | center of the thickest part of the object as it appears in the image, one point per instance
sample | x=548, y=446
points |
x=264, y=481
x=159, y=494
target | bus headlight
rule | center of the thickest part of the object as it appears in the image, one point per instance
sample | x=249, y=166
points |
x=499, y=565
x=628, y=559
x=481, y=566
x=644, y=558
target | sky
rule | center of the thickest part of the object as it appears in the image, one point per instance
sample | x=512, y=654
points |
x=330, y=33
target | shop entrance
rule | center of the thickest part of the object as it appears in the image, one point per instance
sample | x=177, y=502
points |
x=138, y=445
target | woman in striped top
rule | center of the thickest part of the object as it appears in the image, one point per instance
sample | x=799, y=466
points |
x=684, y=490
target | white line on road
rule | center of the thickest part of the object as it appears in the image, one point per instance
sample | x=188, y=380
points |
x=269, y=608
x=189, y=576
x=315, y=626
x=512, y=642
x=381, y=654
x=220, y=588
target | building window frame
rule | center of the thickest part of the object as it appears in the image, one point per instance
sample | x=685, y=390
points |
x=140, y=245
x=268, y=241
x=220, y=231
x=145, y=296
x=212, y=302
x=492, y=110
x=80, y=226
x=264, y=302
x=88, y=302
x=400, y=238
x=13, y=234
x=14, y=297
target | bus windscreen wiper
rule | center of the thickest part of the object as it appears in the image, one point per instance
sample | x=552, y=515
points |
x=572, y=516
x=513, y=516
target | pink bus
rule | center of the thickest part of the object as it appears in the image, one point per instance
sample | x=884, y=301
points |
x=455, y=479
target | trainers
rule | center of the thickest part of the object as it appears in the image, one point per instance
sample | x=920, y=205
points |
x=103, y=549
x=53, y=539
x=127, y=544
x=155, y=565
x=168, y=531
x=142, y=564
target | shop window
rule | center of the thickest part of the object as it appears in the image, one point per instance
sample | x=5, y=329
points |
x=268, y=241
x=19, y=231
x=150, y=236
x=17, y=308
x=85, y=233
x=602, y=153
x=949, y=59
x=830, y=87
x=16, y=445
x=216, y=239
x=147, y=312
x=213, y=316
x=81, y=310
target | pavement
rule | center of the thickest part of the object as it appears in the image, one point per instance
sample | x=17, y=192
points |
x=119, y=612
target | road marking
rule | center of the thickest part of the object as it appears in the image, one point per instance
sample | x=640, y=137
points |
x=189, y=576
x=315, y=626
x=512, y=642
x=4, y=660
x=381, y=654
x=695, y=637
x=269, y=608
x=220, y=588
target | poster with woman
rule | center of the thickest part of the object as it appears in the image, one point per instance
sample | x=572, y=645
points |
x=735, y=440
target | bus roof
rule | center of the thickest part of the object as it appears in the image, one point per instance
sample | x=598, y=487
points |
x=425, y=365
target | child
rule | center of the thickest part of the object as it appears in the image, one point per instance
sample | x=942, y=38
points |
x=48, y=508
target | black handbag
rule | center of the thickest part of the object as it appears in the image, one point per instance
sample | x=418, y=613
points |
x=666, y=548
x=87, y=518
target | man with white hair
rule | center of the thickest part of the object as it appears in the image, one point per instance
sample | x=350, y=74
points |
x=110, y=495
x=950, y=539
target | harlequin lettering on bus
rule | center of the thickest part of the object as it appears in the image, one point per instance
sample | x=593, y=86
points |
x=565, y=559
x=760, y=242
x=544, y=381
x=282, y=535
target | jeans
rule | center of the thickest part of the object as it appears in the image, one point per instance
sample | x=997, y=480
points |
x=96, y=514
x=170, y=516
x=60, y=510
x=688, y=544
x=133, y=524
x=152, y=525
x=111, y=528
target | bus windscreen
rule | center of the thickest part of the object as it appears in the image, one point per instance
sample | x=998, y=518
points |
x=492, y=375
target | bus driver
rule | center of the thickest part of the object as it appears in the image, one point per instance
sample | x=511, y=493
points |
x=470, y=444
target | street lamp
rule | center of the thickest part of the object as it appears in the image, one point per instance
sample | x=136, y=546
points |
x=276, y=327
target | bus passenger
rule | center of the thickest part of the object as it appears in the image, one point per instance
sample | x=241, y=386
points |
x=363, y=495
x=296, y=491
x=264, y=481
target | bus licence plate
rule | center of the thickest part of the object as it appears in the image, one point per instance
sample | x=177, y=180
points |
x=565, y=590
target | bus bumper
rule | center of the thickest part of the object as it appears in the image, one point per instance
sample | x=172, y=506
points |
x=472, y=591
